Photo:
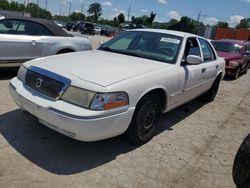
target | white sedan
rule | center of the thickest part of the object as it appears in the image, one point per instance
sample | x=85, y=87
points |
x=123, y=87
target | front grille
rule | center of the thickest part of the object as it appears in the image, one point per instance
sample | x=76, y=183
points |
x=43, y=84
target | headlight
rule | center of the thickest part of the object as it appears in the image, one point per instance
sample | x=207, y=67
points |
x=95, y=101
x=77, y=96
x=107, y=101
x=233, y=64
x=21, y=75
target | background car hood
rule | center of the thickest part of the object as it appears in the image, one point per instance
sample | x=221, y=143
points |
x=229, y=56
x=99, y=67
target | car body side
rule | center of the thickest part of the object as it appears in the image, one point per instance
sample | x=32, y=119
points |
x=18, y=48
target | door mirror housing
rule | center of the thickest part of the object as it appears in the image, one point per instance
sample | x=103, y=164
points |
x=194, y=60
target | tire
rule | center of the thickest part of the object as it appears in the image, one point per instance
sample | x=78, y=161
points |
x=237, y=75
x=212, y=92
x=241, y=170
x=145, y=120
x=246, y=68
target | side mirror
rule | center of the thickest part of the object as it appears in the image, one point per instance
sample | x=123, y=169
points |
x=194, y=60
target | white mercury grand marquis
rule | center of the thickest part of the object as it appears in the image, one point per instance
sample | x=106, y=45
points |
x=123, y=87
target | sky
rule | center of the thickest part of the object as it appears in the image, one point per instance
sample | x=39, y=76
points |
x=212, y=11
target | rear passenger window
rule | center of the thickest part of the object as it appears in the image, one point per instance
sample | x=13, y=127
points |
x=208, y=53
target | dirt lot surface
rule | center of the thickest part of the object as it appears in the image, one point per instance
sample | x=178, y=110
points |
x=194, y=146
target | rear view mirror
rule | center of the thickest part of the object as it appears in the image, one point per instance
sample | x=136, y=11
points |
x=194, y=60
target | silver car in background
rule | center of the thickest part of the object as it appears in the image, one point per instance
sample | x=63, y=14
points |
x=24, y=38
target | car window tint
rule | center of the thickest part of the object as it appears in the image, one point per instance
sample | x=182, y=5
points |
x=192, y=48
x=123, y=43
x=35, y=29
x=22, y=27
x=207, y=51
x=8, y=26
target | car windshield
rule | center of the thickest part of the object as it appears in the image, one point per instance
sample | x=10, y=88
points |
x=226, y=47
x=150, y=45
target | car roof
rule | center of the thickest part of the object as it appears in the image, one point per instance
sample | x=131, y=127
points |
x=171, y=32
x=50, y=25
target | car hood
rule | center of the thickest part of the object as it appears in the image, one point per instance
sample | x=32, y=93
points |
x=229, y=56
x=99, y=67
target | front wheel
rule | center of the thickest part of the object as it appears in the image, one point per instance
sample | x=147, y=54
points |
x=145, y=119
x=237, y=74
x=246, y=68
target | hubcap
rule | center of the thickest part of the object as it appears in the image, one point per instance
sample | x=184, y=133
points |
x=150, y=119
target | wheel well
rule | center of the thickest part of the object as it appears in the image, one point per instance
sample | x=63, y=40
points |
x=219, y=76
x=156, y=92
x=67, y=50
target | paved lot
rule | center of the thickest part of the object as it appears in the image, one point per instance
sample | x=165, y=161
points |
x=194, y=146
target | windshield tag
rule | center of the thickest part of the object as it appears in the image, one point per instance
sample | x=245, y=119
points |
x=170, y=40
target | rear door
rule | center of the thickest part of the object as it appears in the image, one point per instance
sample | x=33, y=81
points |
x=209, y=59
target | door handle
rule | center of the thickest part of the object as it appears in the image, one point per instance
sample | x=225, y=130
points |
x=203, y=70
x=217, y=66
x=33, y=42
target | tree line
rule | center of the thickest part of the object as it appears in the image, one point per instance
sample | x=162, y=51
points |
x=95, y=11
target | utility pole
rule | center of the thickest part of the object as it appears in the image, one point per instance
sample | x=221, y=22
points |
x=46, y=4
x=200, y=15
x=70, y=4
x=129, y=11
x=82, y=7
x=37, y=2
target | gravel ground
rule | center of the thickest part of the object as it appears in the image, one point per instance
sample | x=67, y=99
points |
x=194, y=146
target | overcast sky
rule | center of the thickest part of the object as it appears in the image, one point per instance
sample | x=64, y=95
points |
x=213, y=11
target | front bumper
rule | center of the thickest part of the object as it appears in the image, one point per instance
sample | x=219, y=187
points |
x=231, y=70
x=69, y=119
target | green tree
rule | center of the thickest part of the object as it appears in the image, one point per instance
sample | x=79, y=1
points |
x=4, y=5
x=77, y=16
x=222, y=24
x=116, y=21
x=185, y=24
x=244, y=24
x=95, y=10
x=121, y=18
x=150, y=19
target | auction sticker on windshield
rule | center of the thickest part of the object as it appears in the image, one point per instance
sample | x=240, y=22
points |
x=170, y=40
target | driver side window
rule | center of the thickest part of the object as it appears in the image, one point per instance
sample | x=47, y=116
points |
x=192, y=48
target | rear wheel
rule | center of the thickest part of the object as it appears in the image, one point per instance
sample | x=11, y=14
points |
x=212, y=92
x=145, y=120
x=65, y=51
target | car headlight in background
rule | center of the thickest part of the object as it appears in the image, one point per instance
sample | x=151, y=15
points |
x=95, y=101
x=107, y=101
x=21, y=75
x=78, y=96
x=233, y=63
